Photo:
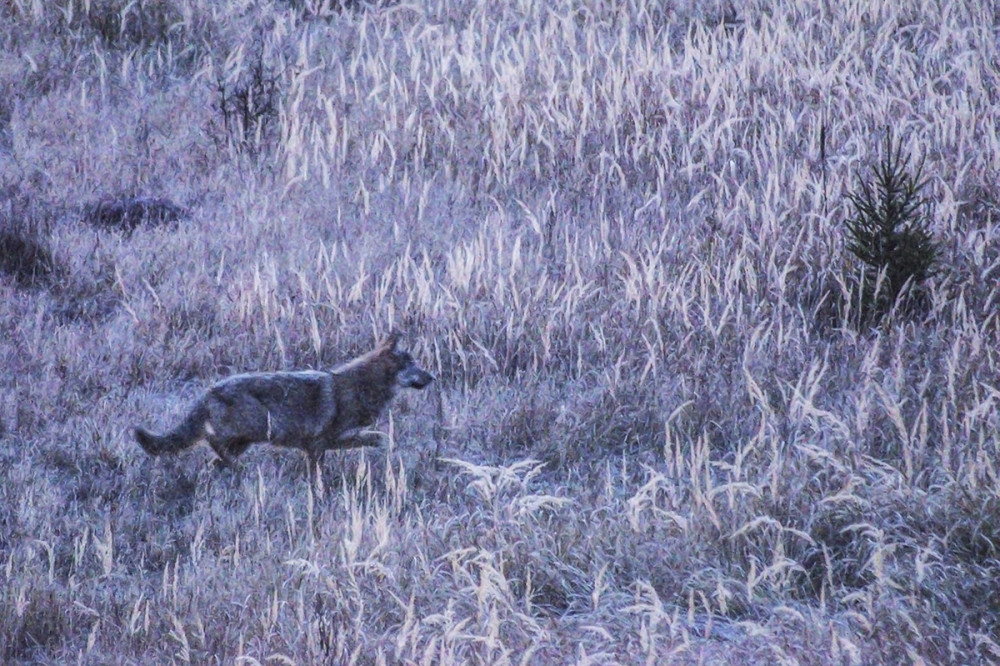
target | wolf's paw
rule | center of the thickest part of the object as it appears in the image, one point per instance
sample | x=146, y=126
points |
x=370, y=438
x=222, y=464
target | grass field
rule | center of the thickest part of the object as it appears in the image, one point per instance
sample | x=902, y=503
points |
x=615, y=232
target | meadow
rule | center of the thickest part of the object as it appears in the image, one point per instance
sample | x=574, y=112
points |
x=615, y=232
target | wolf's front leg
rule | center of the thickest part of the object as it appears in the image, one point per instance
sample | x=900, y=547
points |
x=358, y=439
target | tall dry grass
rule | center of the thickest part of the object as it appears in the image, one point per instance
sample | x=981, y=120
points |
x=657, y=434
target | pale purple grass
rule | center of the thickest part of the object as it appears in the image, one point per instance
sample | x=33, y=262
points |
x=655, y=436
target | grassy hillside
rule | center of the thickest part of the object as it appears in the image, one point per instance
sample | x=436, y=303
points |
x=662, y=432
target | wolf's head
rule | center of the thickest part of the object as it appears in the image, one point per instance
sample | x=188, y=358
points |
x=406, y=371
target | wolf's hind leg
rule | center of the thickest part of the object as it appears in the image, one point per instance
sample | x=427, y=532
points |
x=227, y=450
x=358, y=440
x=236, y=449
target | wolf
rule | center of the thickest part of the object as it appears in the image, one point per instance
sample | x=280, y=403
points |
x=312, y=410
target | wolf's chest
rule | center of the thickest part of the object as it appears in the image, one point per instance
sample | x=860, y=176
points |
x=358, y=403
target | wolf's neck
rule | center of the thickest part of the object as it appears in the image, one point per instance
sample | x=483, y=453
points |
x=349, y=367
x=372, y=390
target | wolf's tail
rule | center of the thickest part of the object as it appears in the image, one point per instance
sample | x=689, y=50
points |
x=187, y=434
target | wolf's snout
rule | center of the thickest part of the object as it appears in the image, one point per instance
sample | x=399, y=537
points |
x=415, y=377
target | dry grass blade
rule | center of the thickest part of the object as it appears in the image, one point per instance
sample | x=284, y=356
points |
x=612, y=231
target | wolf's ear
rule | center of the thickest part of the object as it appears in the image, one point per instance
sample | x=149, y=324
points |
x=391, y=340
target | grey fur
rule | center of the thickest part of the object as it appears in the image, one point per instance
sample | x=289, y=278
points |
x=311, y=410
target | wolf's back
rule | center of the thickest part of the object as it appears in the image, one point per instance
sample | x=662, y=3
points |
x=191, y=429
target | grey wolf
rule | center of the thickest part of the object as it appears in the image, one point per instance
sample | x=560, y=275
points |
x=312, y=410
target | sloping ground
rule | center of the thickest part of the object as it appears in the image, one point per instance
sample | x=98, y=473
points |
x=616, y=236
